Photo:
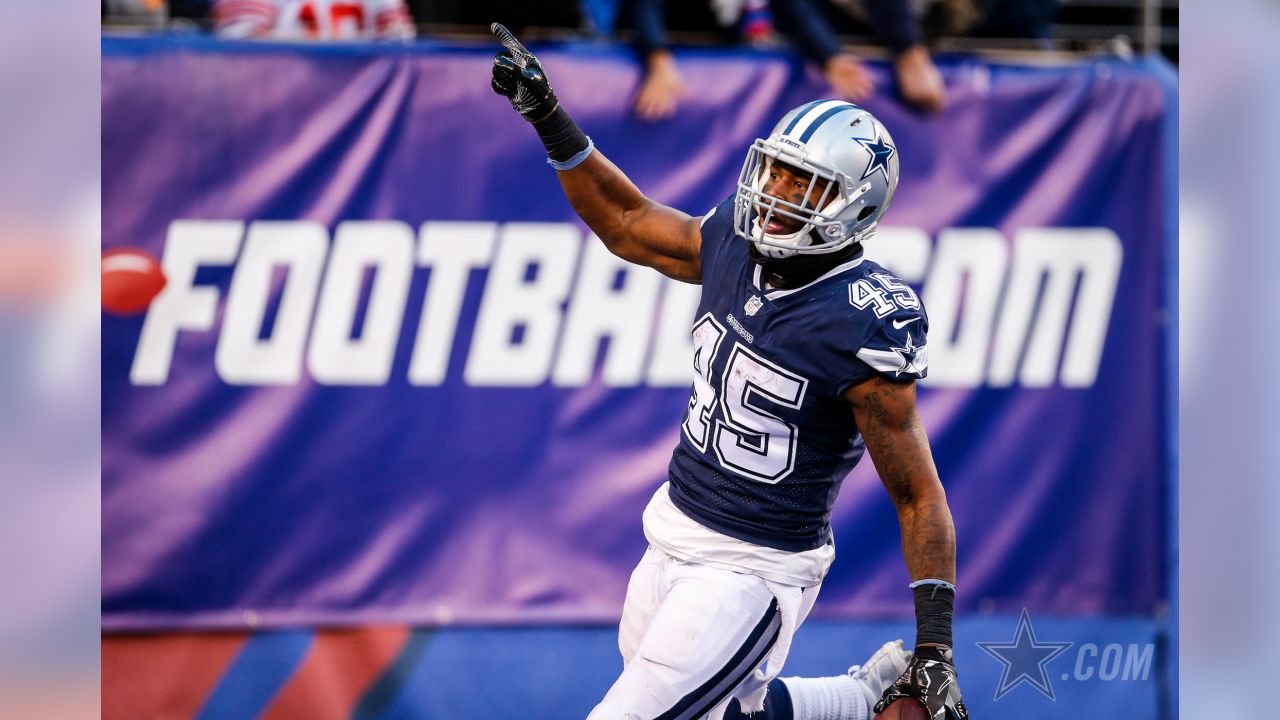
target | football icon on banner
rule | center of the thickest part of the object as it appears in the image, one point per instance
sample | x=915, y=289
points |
x=131, y=279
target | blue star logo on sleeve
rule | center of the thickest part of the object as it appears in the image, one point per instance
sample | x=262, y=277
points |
x=881, y=151
x=913, y=358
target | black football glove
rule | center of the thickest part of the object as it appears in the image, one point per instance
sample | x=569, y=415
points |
x=930, y=677
x=519, y=77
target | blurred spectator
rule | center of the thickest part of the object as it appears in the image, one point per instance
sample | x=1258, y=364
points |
x=907, y=33
x=951, y=18
x=663, y=87
x=313, y=19
x=150, y=10
x=1014, y=18
x=132, y=7
x=190, y=13
x=173, y=14
x=897, y=26
x=757, y=21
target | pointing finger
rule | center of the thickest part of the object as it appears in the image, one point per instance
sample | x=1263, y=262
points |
x=518, y=51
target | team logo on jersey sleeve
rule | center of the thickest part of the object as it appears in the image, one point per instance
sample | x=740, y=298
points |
x=753, y=305
x=915, y=358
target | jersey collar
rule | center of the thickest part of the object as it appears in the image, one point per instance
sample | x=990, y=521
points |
x=758, y=278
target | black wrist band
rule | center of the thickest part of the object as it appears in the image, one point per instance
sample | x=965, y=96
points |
x=561, y=135
x=933, y=613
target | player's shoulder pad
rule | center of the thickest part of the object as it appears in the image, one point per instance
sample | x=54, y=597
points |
x=876, y=295
x=716, y=227
x=721, y=215
x=895, y=324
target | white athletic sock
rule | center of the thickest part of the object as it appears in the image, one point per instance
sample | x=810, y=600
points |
x=828, y=698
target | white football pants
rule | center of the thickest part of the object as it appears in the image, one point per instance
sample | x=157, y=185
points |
x=691, y=637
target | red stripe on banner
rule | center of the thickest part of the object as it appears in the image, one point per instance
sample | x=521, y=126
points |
x=163, y=676
x=335, y=674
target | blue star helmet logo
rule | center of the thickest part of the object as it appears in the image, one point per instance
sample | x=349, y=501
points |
x=881, y=151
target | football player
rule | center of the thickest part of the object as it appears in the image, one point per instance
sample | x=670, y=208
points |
x=805, y=354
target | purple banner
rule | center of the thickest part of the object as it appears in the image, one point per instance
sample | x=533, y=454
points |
x=392, y=378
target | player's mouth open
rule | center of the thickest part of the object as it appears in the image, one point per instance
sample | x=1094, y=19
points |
x=781, y=226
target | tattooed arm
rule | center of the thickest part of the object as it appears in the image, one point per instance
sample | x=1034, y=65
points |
x=886, y=415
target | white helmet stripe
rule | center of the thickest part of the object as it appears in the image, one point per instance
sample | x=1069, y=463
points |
x=797, y=128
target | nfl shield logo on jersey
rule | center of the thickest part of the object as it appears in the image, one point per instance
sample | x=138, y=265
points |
x=753, y=305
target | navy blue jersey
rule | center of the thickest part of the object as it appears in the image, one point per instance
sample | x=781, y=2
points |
x=768, y=437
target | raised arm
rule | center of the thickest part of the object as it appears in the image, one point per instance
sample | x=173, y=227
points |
x=631, y=225
x=886, y=415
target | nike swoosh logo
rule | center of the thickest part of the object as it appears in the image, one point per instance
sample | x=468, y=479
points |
x=899, y=324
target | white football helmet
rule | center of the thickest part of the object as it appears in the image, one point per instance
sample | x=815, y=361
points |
x=831, y=139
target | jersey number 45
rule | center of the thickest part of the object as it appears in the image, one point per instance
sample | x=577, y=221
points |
x=733, y=421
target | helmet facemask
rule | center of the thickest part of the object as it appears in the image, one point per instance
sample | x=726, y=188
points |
x=820, y=230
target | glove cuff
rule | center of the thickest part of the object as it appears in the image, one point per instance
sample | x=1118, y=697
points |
x=934, y=601
x=934, y=652
x=563, y=139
